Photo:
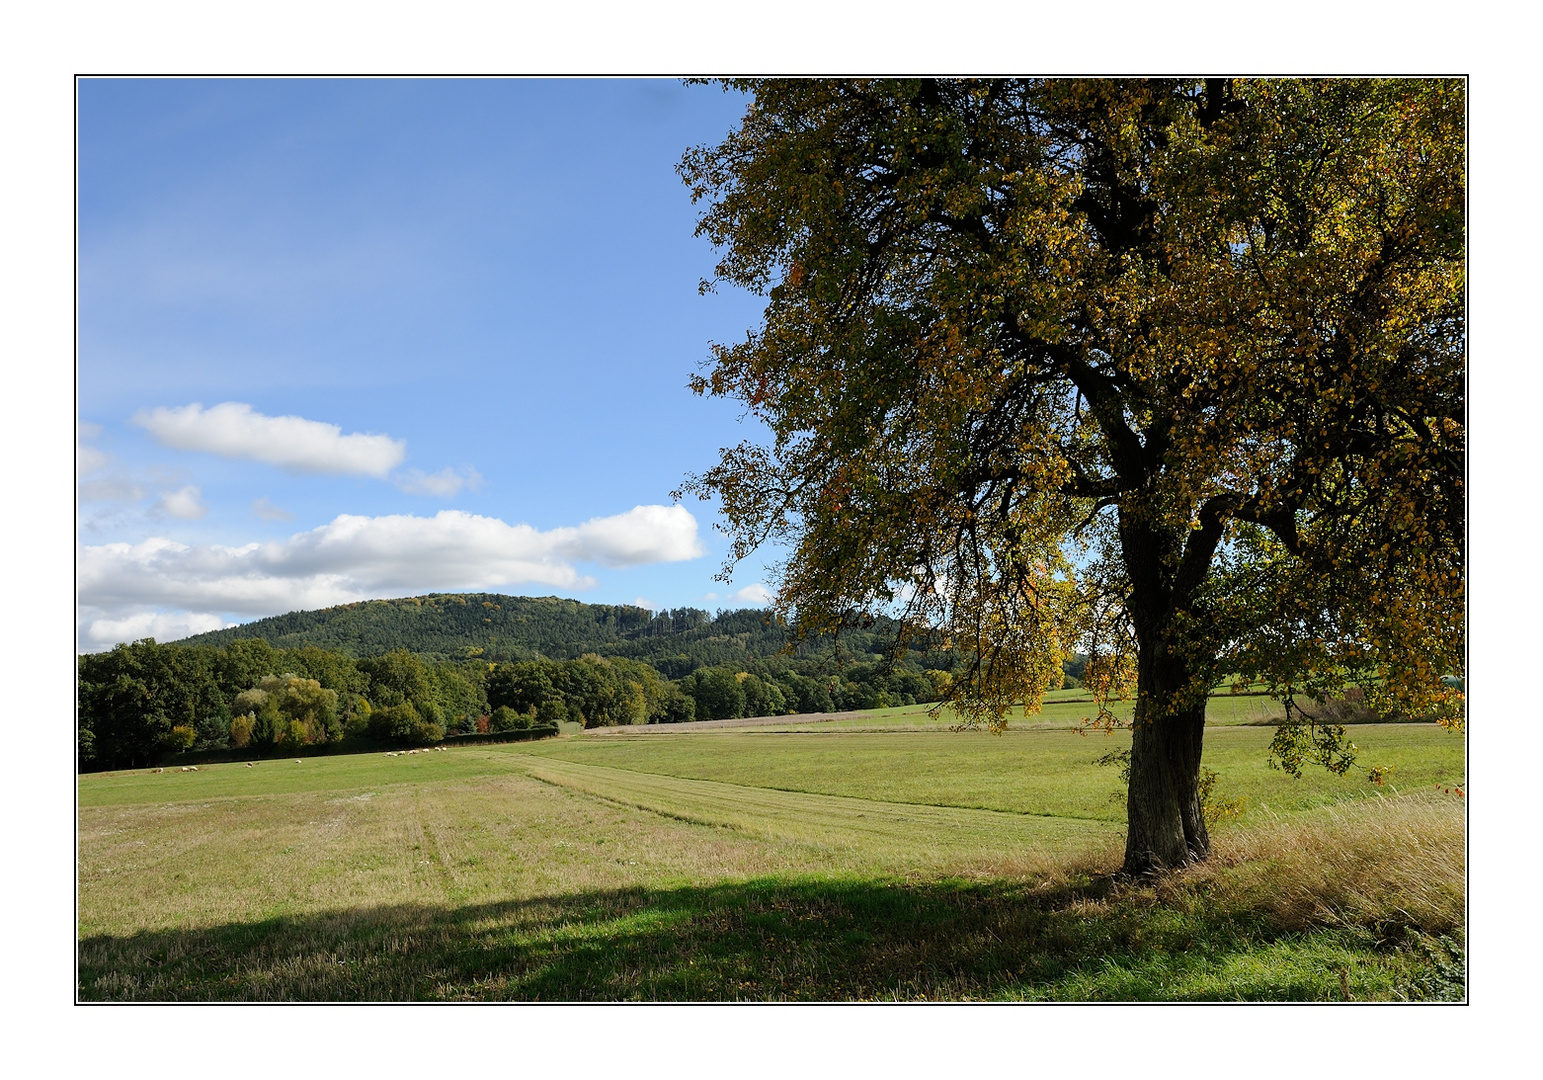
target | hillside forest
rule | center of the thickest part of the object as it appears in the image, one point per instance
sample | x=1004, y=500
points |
x=414, y=671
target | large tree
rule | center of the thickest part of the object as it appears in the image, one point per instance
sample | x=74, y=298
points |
x=1166, y=371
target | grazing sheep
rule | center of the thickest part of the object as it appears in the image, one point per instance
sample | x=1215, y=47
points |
x=184, y=768
x=297, y=761
x=192, y=768
x=249, y=764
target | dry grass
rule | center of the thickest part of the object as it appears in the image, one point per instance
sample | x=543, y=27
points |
x=487, y=874
x=1379, y=863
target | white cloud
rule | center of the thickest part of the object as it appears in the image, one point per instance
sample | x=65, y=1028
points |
x=104, y=633
x=184, y=503
x=268, y=512
x=235, y=430
x=644, y=534
x=88, y=458
x=443, y=484
x=357, y=558
x=750, y=594
x=638, y=601
x=753, y=594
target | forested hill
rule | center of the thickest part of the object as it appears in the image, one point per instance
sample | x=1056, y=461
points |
x=490, y=626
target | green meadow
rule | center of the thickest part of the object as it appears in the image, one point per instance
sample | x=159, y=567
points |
x=870, y=857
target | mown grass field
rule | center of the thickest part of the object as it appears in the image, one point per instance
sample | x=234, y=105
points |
x=1061, y=709
x=751, y=864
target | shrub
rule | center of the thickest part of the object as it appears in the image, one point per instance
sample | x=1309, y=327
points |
x=551, y=713
x=179, y=738
x=506, y=719
x=241, y=729
x=402, y=725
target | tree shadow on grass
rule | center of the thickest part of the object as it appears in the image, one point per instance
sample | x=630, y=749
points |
x=762, y=939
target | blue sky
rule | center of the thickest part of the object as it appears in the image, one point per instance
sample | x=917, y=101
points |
x=479, y=298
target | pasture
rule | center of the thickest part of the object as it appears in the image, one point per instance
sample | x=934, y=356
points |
x=878, y=857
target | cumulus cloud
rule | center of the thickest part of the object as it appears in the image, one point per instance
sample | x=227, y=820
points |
x=235, y=430
x=184, y=503
x=88, y=458
x=105, y=633
x=443, y=484
x=643, y=602
x=268, y=512
x=750, y=594
x=357, y=558
x=644, y=534
x=753, y=594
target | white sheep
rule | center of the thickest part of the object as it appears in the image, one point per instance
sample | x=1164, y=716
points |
x=192, y=768
x=184, y=768
x=249, y=764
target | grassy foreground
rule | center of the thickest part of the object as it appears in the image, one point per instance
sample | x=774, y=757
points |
x=763, y=866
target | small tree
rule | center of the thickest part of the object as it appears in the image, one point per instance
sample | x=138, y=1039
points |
x=181, y=737
x=506, y=719
x=241, y=729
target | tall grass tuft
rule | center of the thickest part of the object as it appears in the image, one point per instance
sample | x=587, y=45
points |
x=1381, y=864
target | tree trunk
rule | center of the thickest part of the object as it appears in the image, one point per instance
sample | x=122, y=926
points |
x=1166, y=828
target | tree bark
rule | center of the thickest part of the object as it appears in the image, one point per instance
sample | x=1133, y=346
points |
x=1165, y=825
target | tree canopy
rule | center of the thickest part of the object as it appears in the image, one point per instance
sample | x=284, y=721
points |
x=1167, y=371
x=141, y=701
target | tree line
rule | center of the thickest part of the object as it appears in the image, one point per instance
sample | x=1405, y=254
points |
x=142, y=700
x=496, y=627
